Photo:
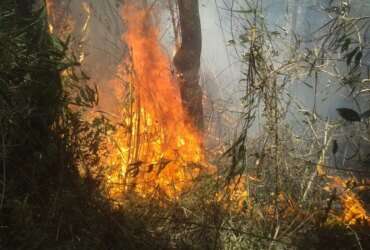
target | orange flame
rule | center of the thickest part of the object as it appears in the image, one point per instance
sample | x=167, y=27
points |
x=353, y=209
x=156, y=149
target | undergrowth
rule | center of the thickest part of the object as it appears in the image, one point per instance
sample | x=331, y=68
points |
x=51, y=196
x=45, y=203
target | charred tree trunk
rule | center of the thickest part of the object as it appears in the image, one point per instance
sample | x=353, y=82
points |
x=187, y=60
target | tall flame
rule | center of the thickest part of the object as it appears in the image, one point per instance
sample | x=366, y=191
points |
x=156, y=149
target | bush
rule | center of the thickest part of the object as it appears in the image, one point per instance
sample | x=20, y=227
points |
x=46, y=143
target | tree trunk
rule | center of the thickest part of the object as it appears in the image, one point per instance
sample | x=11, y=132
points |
x=23, y=8
x=187, y=60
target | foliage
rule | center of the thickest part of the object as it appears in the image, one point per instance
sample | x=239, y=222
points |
x=285, y=164
x=45, y=144
x=50, y=153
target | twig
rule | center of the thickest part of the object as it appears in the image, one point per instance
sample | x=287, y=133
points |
x=3, y=155
x=275, y=236
x=357, y=238
x=321, y=160
x=239, y=231
x=332, y=167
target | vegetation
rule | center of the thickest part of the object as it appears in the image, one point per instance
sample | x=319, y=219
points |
x=279, y=190
x=45, y=203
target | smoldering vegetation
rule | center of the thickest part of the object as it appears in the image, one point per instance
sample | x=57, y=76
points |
x=97, y=150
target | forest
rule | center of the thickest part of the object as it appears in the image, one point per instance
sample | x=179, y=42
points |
x=184, y=124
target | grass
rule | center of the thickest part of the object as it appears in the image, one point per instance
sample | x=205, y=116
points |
x=45, y=142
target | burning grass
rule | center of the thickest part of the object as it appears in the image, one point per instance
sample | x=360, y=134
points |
x=353, y=210
x=156, y=156
x=155, y=149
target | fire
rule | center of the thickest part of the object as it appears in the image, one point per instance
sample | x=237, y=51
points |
x=156, y=150
x=353, y=208
x=234, y=196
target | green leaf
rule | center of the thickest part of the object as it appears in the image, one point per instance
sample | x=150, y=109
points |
x=358, y=58
x=346, y=44
x=349, y=114
x=275, y=33
x=244, y=11
x=350, y=55
x=335, y=147
x=366, y=114
x=231, y=42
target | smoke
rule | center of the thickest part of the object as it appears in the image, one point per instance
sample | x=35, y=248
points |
x=221, y=66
